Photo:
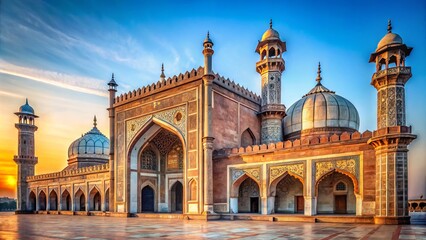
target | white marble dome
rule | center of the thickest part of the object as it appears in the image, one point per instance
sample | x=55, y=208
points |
x=321, y=109
x=91, y=144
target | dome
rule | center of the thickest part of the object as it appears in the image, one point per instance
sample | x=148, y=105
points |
x=92, y=144
x=26, y=108
x=320, y=111
x=388, y=39
x=270, y=34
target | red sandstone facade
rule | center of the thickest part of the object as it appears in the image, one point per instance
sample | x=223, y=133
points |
x=201, y=145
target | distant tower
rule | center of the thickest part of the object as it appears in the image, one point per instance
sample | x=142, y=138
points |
x=162, y=75
x=208, y=139
x=112, y=89
x=270, y=67
x=26, y=147
x=392, y=136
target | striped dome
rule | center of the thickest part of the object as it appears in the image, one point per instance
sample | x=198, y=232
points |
x=319, y=109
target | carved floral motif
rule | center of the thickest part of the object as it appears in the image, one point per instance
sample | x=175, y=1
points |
x=252, y=172
x=134, y=125
x=277, y=171
x=347, y=164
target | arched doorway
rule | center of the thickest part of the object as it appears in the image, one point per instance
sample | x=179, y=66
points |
x=107, y=200
x=80, y=201
x=289, y=195
x=42, y=201
x=66, y=201
x=158, y=149
x=53, y=201
x=32, y=201
x=176, y=197
x=95, y=200
x=335, y=194
x=248, y=196
x=148, y=199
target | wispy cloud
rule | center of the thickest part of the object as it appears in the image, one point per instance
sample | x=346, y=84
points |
x=71, y=82
x=9, y=94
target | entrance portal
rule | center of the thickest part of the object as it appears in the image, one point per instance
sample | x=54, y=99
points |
x=147, y=199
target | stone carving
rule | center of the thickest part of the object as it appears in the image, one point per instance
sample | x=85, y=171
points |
x=348, y=164
x=276, y=171
x=322, y=168
x=252, y=172
x=134, y=125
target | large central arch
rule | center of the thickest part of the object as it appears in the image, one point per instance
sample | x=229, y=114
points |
x=156, y=175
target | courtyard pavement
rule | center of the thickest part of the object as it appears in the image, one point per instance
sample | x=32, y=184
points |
x=84, y=227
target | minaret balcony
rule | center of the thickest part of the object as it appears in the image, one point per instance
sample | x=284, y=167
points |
x=391, y=76
x=270, y=64
x=392, y=71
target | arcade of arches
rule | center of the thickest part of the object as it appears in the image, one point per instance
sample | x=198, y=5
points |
x=81, y=201
x=285, y=190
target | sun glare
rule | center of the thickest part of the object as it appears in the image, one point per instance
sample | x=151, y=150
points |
x=11, y=181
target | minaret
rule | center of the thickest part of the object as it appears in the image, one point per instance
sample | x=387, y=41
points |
x=25, y=159
x=270, y=67
x=112, y=89
x=208, y=139
x=392, y=136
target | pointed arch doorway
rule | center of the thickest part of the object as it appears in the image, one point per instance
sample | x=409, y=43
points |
x=148, y=199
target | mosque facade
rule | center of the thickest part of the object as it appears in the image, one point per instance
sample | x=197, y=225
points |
x=202, y=146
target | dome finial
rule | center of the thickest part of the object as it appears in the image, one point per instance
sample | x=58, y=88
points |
x=389, y=26
x=26, y=101
x=94, y=121
x=270, y=23
x=319, y=78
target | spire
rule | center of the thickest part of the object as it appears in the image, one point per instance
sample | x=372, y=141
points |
x=208, y=40
x=112, y=83
x=319, y=78
x=389, y=26
x=94, y=121
x=26, y=101
x=270, y=23
x=162, y=76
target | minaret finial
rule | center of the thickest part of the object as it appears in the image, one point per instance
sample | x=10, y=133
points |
x=162, y=76
x=112, y=77
x=270, y=23
x=389, y=26
x=208, y=34
x=94, y=121
x=319, y=78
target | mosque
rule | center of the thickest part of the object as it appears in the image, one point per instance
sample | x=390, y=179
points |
x=200, y=146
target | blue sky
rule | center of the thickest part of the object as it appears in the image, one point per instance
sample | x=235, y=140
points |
x=60, y=54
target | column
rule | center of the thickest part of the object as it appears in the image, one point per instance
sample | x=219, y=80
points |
x=310, y=199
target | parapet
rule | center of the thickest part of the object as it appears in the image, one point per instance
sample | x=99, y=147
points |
x=170, y=82
x=236, y=88
x=73, y=172
x=345, y=137
x=159, y=86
